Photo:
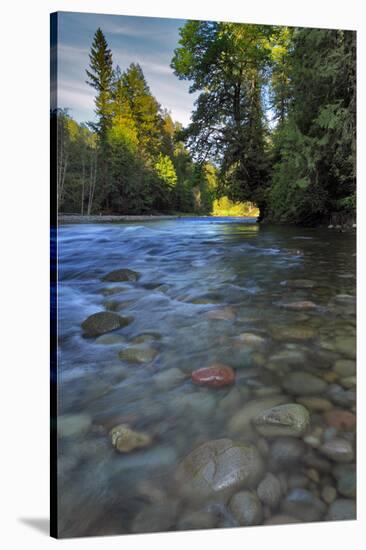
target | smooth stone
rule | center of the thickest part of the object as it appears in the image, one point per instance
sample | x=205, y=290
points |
x=316, y=404
x=269, y=491
x=297, y=481
x=286, y=452
x=216, y=375
x=293, y=333
x=138, y=355
x=146, y=459
x=246, y=508
x=146, y=337
x=304, y=383
x=329, y=494
x=346, y=345
x=197, y=520
x=345, y=367
x=342, y=509
x=266, y=391
x=222, y=314
x=340, y=419
x=349, y=382
x=102, y=322
x=281, y=519
x=73, y=425
x=252, y=340
x=109, y=291
x=217, y=469
x=305, y=506
x=299, y=283
x=125, y=440
x=231, y=401
x=167, y=379
x=289, y=420
x=197, y=404
x=340, y=396
x=301, y=305
x=314, y=438
x=345, y=475
x=241, y=420
x=121, y=275
x=155, y=518
x=339, y=450
x=288, y=357
x=110, y=339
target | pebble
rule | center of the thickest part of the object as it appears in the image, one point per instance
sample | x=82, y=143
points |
x=167, y=379
x=246, y=508
x=216, y=375
x=252, y=340
x=346, y=345
x=329, y=494
x=110, y=339
x=138, y=355
x=303, y=383
x=199, y=519
x=293, y=333
x=345, y=475
x=283, y=420
x=222, y=314
x=305, y=506
x=269, y=491
x=297, y=481
x=286, y=452
x=241, y=420
x=301, y=305
x=125, y=440
x=345, y=367
x=339, y=450
x=316, y=404
x=340, y=419
x=342, y=509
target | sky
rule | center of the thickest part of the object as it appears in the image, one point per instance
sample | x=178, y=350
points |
x=144, y=40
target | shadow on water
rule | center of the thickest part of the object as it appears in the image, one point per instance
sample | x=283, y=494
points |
x=42, y=525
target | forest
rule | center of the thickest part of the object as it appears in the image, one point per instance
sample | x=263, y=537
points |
x=272, y=133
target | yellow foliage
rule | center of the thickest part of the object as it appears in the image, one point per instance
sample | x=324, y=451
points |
x=225, y=207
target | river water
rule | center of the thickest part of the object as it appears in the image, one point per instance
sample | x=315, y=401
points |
x=210, y=290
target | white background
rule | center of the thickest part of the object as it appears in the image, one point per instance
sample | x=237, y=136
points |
x=24, y=211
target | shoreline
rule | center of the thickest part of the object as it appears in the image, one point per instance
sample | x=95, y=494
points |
x=128, y=218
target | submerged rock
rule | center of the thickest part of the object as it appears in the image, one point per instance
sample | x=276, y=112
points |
x=155, y=518
x=342, y=509
x=302, y=305
x=303, y=383
x=73, y=425
x=216, y=375
x=269, y=491
x=222, y=314
x=303, y=505
x=252, y=340
x=125, y=440
x=317, y=404
x=340, y=419
x=345, y=475
x=345, y=367
x=102, y=322
x=111, y=339
x=246, y=508
x=200, y=519
x=339, y=450
x=241, y=421
x=167, y=379
x=121, y=275
x=299, y=283
x=286, y=452
x=289, y=420
x=296, y=333
x=217, y=469
x=138, y=355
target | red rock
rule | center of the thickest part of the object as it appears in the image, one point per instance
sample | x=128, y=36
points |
x=340, y=419
x=216, y=375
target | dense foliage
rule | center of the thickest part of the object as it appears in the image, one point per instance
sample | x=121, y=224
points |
x=276, y=112
x=274, y=127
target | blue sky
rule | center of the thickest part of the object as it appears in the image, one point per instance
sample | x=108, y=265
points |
x=144, y=40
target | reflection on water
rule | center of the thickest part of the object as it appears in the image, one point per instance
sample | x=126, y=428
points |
x=277, y=304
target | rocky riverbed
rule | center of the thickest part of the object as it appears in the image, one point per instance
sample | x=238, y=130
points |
x=207, y=376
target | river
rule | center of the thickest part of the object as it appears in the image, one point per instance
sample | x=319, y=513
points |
x=276, y=304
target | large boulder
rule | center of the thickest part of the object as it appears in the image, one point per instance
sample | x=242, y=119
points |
x=102, y=322
x=217, y=469
x=121, y=275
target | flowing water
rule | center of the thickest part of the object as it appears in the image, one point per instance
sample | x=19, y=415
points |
x=210, y=290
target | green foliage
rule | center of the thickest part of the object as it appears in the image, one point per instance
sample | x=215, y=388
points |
x=165, y=169
x=225, y=207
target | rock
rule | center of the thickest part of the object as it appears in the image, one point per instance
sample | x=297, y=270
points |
x=246, y=508
x=242, y=419
x=288, y=357
x=341, y=397
x=340, y=419
x=314, y=438
x=109, y=291
x=216, y=375
x=313, y=475
x=345, y=475
x=252, y=340
x=349, y=382
x=155, y=518
x=298, y=481
x=266, y=391
x=222, y=314
x=110, y=339
x=138, y=355
x=302, y=305
x=346, y=345
x=269, y=491
x=197, y=404
x=281, y=519
x=231, y=401
x=345, y=367
x=293, y=333
x=342, y=509
x=197, y=520
x=330, y=376
x=121, y=275
x=339, y=450
x=167, y=379
x=283, y=420
x=102, y=322
x=303, y=505
x=329, y=494
x=146, y=337
x=73, y=425
x=125, y=440
x=303, y=383
x=286, y=452
x=299, y=283
x=316, y=404
x=217, y=469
